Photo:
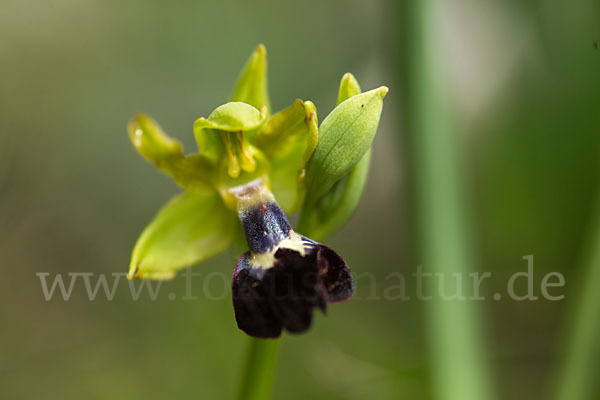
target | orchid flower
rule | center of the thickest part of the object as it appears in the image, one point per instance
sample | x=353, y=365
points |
x=252, y=168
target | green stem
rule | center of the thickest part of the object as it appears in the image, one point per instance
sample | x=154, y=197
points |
x=459, y=369
x=259, y=369
x=580, y=367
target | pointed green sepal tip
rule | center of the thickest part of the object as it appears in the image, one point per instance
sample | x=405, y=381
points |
x=348, y=87
x=252, y=86
x=150, y=141
x=381, y=91
x=189, y=229
x=345, y=136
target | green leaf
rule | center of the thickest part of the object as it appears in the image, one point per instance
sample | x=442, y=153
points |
x=288, y=140
x=230, y=117
x=345, y=136
x=252, y=87
x=335, y=207
x=192, y=173
x=190, y=228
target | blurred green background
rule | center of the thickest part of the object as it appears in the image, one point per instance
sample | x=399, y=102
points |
x=524, y=80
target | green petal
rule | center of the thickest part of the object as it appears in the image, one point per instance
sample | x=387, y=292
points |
x=345, y=136
x=288, y=140
x=252, y=85
x=332, y=210
x=190, y=228
x=335, y=207
x=230, y=117
x=191, y=173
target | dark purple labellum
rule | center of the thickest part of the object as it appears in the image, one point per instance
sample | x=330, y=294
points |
x=284, y=276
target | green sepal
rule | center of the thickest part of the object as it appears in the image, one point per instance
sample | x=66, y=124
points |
x=335, y=207
x=252, y=87
x=188, y=229
x=230, y=117
x=192, y=172
x=330, y=212
x=345, y=136
x=348, y=87
x=288, y=139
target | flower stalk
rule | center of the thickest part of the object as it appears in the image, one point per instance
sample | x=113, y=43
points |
x=259, y=369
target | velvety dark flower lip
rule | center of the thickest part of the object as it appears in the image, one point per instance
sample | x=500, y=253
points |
x=284, y=276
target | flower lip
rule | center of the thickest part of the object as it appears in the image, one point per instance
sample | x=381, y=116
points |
x=285, y=276
x=283, y=296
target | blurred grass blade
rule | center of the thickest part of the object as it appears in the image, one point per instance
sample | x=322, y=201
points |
x=579, y=369
x=455, y=336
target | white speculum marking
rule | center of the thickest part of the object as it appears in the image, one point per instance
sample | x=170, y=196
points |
x=267, y=259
